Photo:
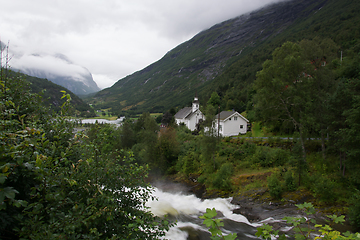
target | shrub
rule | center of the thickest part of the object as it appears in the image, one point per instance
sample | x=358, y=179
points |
x=280, y=156
x=324, y=189
x=248, y=148
x=289, y=181
x=222, y=177
x=354, y=211
x=262, y=157
x=189, y=163
x=275, y=187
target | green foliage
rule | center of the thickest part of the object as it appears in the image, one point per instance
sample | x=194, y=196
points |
x=214, y=100
x=56, y=184
x=304, y=227
x=222, y=178
x=269, y=157
x=354, y=210
x=290, y=183
x=168, y=148
x=127, y=135
x=325, y=188
x=214, y=225
x=188, y=164
x=275, y=186
x=51, y=94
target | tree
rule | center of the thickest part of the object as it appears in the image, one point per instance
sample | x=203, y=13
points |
x=349, y=134
x=168, y=119
x=293, y=86
x=146, y=130
x=168, y=148
x=209, y=138
x=321, y=53
x=54, y=184
x=127, y=135
x=214, y=100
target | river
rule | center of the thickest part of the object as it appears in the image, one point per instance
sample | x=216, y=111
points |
x=186, y=208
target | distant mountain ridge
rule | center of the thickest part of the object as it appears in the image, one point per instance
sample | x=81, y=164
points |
x=226, y=57
x=52, y=95
x=61, y=71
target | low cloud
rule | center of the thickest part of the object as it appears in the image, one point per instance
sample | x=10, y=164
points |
x=54, y=65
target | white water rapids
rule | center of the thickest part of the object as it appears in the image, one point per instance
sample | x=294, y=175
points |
x=185, y=209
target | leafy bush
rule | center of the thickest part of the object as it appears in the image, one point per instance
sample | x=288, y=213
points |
x=280, y=157
x=222, y=177
x=275, y=187
x=290, y=183
x=187, y=164
x=324, y=189
x=248, y=148
x=215, y=224
x=354, y=210
x=262, y=157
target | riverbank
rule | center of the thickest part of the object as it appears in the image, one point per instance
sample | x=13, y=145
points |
x=257, y=205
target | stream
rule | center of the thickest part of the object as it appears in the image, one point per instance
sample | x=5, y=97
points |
x=185, y=209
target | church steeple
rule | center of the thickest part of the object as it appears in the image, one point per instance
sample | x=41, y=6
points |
x=196, y=103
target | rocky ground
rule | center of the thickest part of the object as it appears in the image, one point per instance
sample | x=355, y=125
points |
x=257, y=205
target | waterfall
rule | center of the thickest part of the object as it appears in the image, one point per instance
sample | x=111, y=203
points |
x=185, y=209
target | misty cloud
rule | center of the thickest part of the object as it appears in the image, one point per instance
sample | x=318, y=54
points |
x=52, y=64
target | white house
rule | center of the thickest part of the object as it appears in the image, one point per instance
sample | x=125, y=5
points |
x=190, y=116
x=231, y=123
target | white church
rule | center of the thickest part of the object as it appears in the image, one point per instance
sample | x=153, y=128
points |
x=190, y=116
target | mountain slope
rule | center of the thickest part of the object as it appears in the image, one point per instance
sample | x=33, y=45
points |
x=223, y=58
x=52, y=94
x=58, y=69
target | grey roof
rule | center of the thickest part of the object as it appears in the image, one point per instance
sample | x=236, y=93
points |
x=226, y=114
x=192, y=113
x=183, y=113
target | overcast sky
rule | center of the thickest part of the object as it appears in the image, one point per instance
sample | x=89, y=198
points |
x=111, y=38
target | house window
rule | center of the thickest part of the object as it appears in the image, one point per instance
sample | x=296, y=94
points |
x=235, y=118
x=220, y=127
x=241, y=126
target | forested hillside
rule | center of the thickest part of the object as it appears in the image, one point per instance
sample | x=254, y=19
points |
x=51, y=94
x=226, y=57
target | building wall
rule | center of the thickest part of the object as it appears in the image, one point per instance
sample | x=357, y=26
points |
x=192, y=121
x=195, y=120
x=232, y=127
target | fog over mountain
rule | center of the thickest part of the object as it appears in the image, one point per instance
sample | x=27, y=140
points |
x=58, y=69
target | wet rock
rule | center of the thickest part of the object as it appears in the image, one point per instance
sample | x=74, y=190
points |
x=248, y=213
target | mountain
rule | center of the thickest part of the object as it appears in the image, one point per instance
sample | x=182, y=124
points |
x=58, y=69
x=226, y=57
x=51, y=94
